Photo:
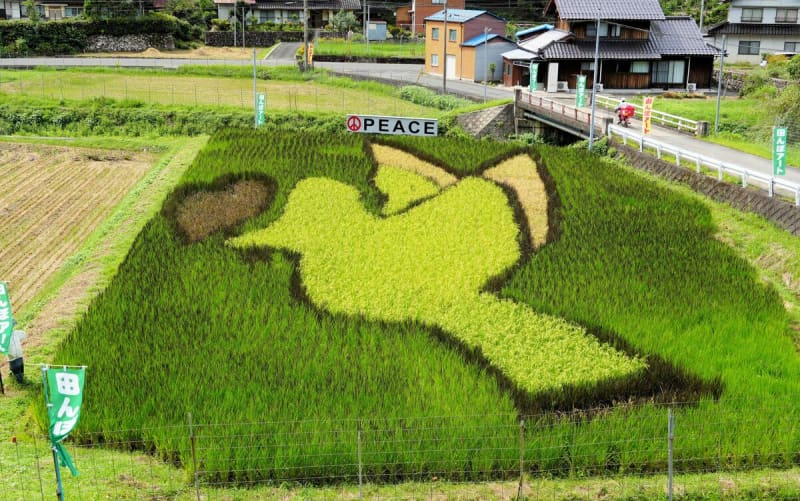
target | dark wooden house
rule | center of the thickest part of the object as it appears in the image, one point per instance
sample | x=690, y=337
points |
x=639, y=48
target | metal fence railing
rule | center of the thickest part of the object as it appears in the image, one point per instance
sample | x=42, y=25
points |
x=658, y=117
x=710, y=166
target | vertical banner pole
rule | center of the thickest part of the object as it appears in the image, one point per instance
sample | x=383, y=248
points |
x=255, y=96
x=670, y=439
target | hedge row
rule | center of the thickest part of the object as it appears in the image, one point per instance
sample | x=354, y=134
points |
x=68, y=36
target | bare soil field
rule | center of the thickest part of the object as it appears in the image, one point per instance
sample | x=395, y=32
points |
x=199, y=53
x=51, y=199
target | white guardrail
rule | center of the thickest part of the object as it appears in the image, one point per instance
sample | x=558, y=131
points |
x=770, y=183
x=659, y=117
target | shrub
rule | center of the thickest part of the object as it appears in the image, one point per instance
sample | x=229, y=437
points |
x=793, y=68
x=754, y=80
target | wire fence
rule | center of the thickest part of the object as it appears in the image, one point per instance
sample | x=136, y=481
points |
x=436, y=458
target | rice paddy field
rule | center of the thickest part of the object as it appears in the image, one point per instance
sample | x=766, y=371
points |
x=299, y=287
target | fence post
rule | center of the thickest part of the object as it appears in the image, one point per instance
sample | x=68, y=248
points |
x=670, y=440
x=678, y=158
x=38, y=470
x=719, y=172
x=797, y=197
x=771, y=187
x=698, y=164
x=194, y=457
x=744, y=179
x=658, y=151
x=360, y=467
x=521, y=457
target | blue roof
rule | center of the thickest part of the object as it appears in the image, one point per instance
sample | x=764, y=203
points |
x=535, y=29
x=478, y=40
x=457, y=15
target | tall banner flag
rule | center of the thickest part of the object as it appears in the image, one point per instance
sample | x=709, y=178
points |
x=261, y=109
x=534, y=70
x=779, y=151
x=63, y=394
x=647, y=114
x=6, y=321
x=580, y=92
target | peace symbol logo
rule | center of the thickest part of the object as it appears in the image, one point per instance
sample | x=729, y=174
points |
x=354, y=123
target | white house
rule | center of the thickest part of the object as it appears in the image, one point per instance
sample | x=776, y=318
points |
x=758, y=27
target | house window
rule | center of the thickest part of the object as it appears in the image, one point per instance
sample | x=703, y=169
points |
x=435, y=34
x=73, y=11
x=791, y=46
x=587, y=66
x=670, y=72
x=606, y=30
x=434, y=59
x=622, y=66
x=453, y=35
x=786, y=15
x=639, y=67
x=749, y=48
x=752, y=15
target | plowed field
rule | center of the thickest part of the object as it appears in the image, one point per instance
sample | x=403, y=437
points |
x=51, y=199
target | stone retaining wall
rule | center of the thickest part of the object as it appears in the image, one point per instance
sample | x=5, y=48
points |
x=130, y=43
x=780, y=212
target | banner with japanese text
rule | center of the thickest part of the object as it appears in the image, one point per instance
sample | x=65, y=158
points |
x=534, y=70
x=580, y=92
x=6, y=321
x=647, y=112
x=779, y=151
x=64, y=396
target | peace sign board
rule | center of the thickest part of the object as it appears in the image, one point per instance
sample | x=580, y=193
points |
x=392, y=125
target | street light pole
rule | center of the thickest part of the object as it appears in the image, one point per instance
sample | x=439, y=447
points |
x=486, y=31
x=594, y=77
x=444, y=51
x=702, y=8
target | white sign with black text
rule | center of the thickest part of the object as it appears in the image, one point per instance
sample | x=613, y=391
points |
x=393, y=125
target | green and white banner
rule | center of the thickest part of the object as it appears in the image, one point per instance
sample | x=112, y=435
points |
x=534, y=70
x=779, y=151
x=6, y=321
x=580, y=92
x=261, y=108
x=64, y=397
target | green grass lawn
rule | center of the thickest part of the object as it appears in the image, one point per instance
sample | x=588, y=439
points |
x=407, y=49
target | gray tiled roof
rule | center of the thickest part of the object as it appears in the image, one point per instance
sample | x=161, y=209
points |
x=755, y=29
x=608, y=9
x=457, y=15
x=584, y=50
x=679, y=36
x=312, y=5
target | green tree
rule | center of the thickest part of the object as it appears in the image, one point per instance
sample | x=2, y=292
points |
x=30, y=8
x=344, y=21
x=793, y=68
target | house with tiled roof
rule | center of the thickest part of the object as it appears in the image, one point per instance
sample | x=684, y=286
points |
x=758, y=27
x=639, y=48
x=475, y=39
x=320, y=12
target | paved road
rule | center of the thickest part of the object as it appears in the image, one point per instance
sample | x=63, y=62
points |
x=283, y=54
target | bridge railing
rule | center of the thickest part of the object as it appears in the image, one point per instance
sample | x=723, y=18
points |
x=558, y=107
x=709, y=166
x=658, y=117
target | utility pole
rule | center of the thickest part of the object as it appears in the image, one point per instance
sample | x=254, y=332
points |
x=702, y=9
x=444, y=51
x=305, y=35
x=719, y=82
x=366, y=32
x=594, y=77
x=486, y=31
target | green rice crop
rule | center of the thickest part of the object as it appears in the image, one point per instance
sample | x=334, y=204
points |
x=229, y=336
x=402, y=188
